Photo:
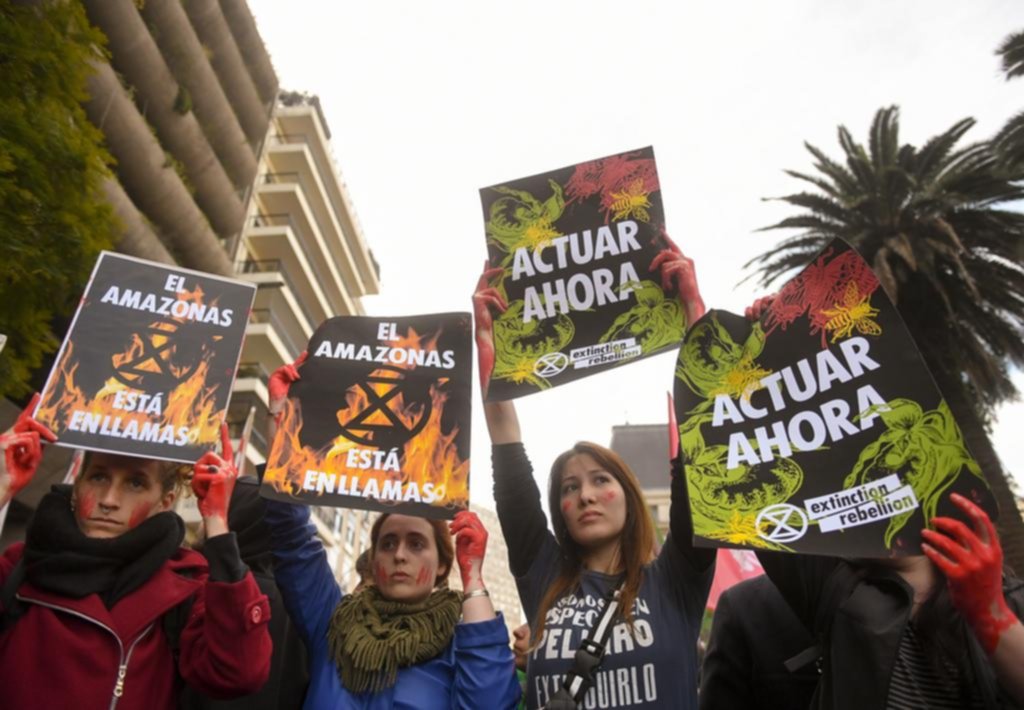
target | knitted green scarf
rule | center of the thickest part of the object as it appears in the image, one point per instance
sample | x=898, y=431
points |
x=370, y=638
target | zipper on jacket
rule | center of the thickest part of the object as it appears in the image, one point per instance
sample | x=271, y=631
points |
x=122, y=667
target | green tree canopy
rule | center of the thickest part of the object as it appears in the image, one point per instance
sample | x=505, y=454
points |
x=53, y=221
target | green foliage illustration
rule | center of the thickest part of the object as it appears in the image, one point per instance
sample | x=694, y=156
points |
x=655, y=321
x=725, y=502
x=925, y=448
x=712, y=363
x=518, y=344
x=521, y=220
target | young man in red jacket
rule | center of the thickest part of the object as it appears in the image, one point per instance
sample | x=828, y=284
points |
x=100, y=573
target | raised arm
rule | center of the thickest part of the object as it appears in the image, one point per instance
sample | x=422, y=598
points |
x=470, y=549
x=277, y=392
x=22, y=452
x=972, y=561
x=678, y=274
x=485, y=670
x=515, y=492
x=226, y=646
x=308, y=587
x=696, y=560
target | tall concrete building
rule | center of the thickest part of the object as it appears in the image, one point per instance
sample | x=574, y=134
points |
x=220, y=171
x=217, y=170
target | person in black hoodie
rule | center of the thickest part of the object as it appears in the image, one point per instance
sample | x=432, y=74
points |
x=289, y=677
x=757, y=656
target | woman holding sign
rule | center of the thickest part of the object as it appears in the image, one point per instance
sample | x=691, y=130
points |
x=603, y=546
x=102, y=607
x=406, y=640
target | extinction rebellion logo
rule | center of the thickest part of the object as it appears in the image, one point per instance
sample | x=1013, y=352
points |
x=550, y=364
x=878, y=500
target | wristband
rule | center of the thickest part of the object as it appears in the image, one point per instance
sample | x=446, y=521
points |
x=476, y=593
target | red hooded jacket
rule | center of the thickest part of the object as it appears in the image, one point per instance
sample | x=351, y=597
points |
x=77, y=654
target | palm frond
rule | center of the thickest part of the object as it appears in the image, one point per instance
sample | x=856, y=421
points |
x=932, y=155
x=1012, y=53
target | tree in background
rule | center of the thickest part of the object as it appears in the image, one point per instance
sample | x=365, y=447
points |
x=53, y=220
x=933, y=223
x=1009, y=142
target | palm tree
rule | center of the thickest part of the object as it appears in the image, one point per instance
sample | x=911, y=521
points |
x=932, y=223
x=1009, y=142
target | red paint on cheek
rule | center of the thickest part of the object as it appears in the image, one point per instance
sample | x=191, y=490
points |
x=139, y=515
x=86, y=504
x=566, y=506
x=380, y=575
x=424, y=576
x=609, y=496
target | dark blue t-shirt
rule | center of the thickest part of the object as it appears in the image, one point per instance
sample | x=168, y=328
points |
x=652, y=666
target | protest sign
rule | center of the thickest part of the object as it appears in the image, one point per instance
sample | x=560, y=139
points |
x=147, y=365
x=380, y=417
x=818, y=429
x=575, y=246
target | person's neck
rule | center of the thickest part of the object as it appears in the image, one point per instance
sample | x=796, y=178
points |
x=919, y=573
x=606, y=558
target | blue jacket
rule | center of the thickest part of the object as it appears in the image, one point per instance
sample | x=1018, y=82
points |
x=476, y=670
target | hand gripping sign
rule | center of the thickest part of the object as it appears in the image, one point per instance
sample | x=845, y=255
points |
x=147, y=365
x=575, y=248
x=379, y=417
x=819, y=428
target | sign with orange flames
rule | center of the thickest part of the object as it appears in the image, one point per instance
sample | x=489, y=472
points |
x=380, y=417
x=575, y=247
x=147, y=365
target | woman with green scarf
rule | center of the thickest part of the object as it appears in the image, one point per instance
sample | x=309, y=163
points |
x=406, y=640
x=398, y=643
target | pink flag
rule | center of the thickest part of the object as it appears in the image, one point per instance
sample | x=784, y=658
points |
x=733, y=566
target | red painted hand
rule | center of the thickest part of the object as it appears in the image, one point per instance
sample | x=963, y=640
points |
x=214, y=478
x=972, y=561
x=23, y=448
x=757, y=309
x=470, y=548
x=281, y=381
x=678, y=275
x=485, y=298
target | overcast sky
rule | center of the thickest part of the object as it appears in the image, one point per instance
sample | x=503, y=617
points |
x=429, y=101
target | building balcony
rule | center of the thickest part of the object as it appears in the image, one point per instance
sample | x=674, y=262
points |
x=275, y=244
x=304, y=125
x=268, y=342
x=282, y=194
x=270, y=274
x=295, y=163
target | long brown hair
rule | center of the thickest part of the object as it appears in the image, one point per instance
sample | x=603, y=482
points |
x=636, y=541
x=442, y=538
